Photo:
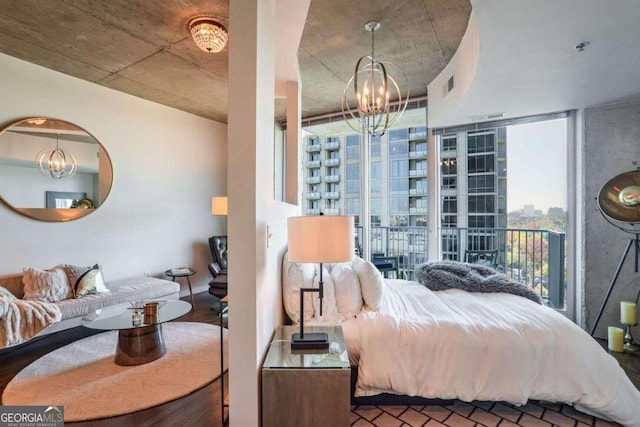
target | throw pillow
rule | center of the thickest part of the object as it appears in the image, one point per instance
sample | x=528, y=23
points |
x=347, y=289
x=46, y=285
x=329, y=308
x=90, y=282
x=371, y=283
x=296, y=276
x=74, y=272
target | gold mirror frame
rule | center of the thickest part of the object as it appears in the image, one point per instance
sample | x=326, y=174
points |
x=13, y=153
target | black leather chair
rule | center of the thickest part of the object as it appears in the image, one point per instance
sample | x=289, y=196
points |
x=218, y=268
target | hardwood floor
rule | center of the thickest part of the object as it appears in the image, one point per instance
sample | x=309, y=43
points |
x=200, y=408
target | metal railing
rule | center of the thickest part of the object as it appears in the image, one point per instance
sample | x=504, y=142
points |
x=535, y=258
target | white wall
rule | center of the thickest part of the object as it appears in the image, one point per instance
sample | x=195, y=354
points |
x=167, y=165
x=255, y=302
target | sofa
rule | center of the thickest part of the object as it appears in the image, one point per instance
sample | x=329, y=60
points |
x=73, y=308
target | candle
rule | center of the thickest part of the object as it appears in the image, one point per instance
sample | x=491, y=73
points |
x=616, y=339
x=627, y=313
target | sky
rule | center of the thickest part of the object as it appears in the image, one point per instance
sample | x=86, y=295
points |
x=536, y=165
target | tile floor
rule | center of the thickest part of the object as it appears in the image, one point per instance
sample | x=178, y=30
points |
x=462, y=414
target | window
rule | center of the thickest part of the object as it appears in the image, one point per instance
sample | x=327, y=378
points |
x=482, y=184
x=449, y=204
x=399, y=150
x=353, y=206
x=481, y=163
x=481, y=142
x=376, y=177
x=399, y=204
x=398, y=134
x=398, y=168
x=449, y=182
x=399, y=186
x=482, y=204
x=448, y=143
x=449, y=220
x=449, y=166
x=477, y=221
x=353, y=178
x=374, y=148
x=353, y=147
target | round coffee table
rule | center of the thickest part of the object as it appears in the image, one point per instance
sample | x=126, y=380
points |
x=138, y=343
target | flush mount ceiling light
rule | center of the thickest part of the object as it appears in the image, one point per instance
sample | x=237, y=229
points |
x=209, y=35
x=372, y=95
x=56, y=162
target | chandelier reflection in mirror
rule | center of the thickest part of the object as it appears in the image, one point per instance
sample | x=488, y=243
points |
x=373, y=96
x=56, y=162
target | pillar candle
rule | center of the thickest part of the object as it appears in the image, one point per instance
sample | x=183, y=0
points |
x=616, y=339
x=627, y=313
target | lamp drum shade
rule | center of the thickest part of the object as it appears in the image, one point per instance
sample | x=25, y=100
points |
x=321, y=238
x=219, y=205
x=619, y=198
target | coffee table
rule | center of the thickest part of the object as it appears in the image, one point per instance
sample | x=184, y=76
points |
x=137, y=343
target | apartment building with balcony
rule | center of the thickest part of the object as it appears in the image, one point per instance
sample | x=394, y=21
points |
x=473, y=189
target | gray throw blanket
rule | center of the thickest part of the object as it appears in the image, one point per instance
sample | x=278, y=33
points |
x=441, y=275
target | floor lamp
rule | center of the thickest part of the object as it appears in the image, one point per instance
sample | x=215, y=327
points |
x=619, y=204
x=318, y=239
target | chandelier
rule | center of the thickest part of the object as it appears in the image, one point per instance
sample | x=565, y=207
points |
x=208, y=34
x=372, y=95
x=56, y=162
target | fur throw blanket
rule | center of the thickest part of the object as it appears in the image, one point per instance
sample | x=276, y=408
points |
x=21, y=320
x=441, y=275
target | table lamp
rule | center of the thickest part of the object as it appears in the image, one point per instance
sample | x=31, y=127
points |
x=318, y=238
x=219, y=205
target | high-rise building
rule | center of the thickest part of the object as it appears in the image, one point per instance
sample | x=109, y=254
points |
x=473, y=187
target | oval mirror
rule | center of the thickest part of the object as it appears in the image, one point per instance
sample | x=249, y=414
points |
x=52, y=170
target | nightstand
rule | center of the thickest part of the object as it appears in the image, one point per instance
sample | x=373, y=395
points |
x=310, y=388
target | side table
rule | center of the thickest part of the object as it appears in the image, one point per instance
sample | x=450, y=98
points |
x=317, y=382
x=188, y=274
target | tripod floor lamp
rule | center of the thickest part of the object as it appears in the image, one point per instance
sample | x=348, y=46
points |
x=318, y=239
x=619, y=203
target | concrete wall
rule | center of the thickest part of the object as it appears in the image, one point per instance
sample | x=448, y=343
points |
x=166, y=164
x=611, y=143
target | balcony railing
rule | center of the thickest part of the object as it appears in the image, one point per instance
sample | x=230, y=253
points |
x=333, y=145
x=418, y=172
x=313, y=163
x=419, y=153
x=332, y=211
x=313, y=196
x=313, y=211
x=332, y=178
x=313, y=180
x=535, y=258
x=332, y=162
x=313, y=148
x=332, y=195
x=417, y=191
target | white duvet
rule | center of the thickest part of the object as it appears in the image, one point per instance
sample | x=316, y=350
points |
x=498, y=347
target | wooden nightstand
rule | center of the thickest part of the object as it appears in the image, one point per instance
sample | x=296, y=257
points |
x=310, y=388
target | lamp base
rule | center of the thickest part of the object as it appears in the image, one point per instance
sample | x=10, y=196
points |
x=311, y=341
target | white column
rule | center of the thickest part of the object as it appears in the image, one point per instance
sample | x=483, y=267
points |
x=433, y=198
x=292, y=159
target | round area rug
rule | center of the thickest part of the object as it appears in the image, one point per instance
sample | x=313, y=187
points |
x=84, y=378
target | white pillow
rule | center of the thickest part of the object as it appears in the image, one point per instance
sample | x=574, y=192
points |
x=371, y=283
x=329, y=308
x=46, y=285
x=294, y=277
x=347, y=289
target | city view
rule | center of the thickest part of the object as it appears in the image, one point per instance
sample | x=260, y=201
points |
x=476, y=185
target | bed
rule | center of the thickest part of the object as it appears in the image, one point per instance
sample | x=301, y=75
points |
x=406, y=339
